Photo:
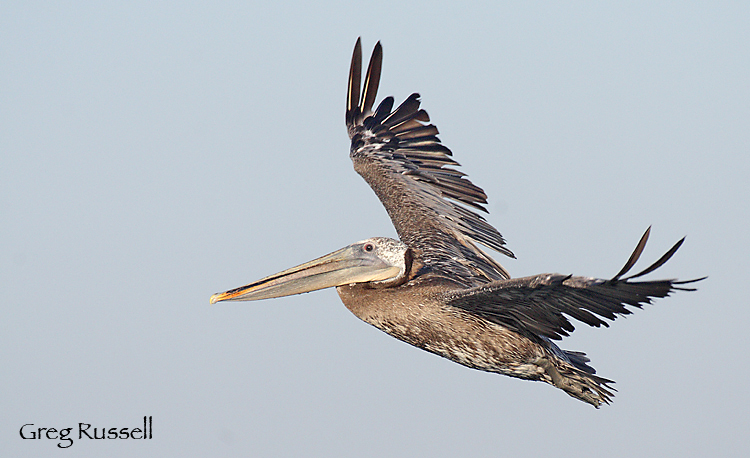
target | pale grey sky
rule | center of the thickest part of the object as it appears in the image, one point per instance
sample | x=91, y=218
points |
x=153, y=154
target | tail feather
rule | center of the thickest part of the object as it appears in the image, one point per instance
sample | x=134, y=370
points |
x=577, y=379
x=587, y=387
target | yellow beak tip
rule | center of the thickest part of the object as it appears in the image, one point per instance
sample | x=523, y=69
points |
x=215, y=298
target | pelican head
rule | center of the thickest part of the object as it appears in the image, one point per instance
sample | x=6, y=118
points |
x=380, y=261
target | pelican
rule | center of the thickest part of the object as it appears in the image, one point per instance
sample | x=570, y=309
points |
x=435, y=288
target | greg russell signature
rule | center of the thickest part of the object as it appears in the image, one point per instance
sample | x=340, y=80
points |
x=85, y=431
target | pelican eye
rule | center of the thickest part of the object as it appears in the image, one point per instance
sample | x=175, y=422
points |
x=368, y=247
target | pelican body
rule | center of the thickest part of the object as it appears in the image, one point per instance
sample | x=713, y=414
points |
x=436, y=288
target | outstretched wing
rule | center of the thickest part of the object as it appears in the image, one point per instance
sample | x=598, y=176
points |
x=536, y=306
x=399, y=155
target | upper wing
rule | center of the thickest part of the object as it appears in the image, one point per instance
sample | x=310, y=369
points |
x=402, y=160
x=534, y=306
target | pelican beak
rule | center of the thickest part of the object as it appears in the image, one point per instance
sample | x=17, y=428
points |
x=348, y=265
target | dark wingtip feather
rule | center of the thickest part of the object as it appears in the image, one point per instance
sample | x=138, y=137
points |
x=633, y=257
x=684, y=282
x=372, y=80
x=384, y=109
x=660, y=261
x=355, y=76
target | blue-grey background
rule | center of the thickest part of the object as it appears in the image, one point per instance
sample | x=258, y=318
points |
x=154, y=153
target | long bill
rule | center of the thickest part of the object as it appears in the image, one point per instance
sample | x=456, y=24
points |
x=345, y=266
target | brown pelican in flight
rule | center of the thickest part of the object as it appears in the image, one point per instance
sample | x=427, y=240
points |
x=436, y=288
